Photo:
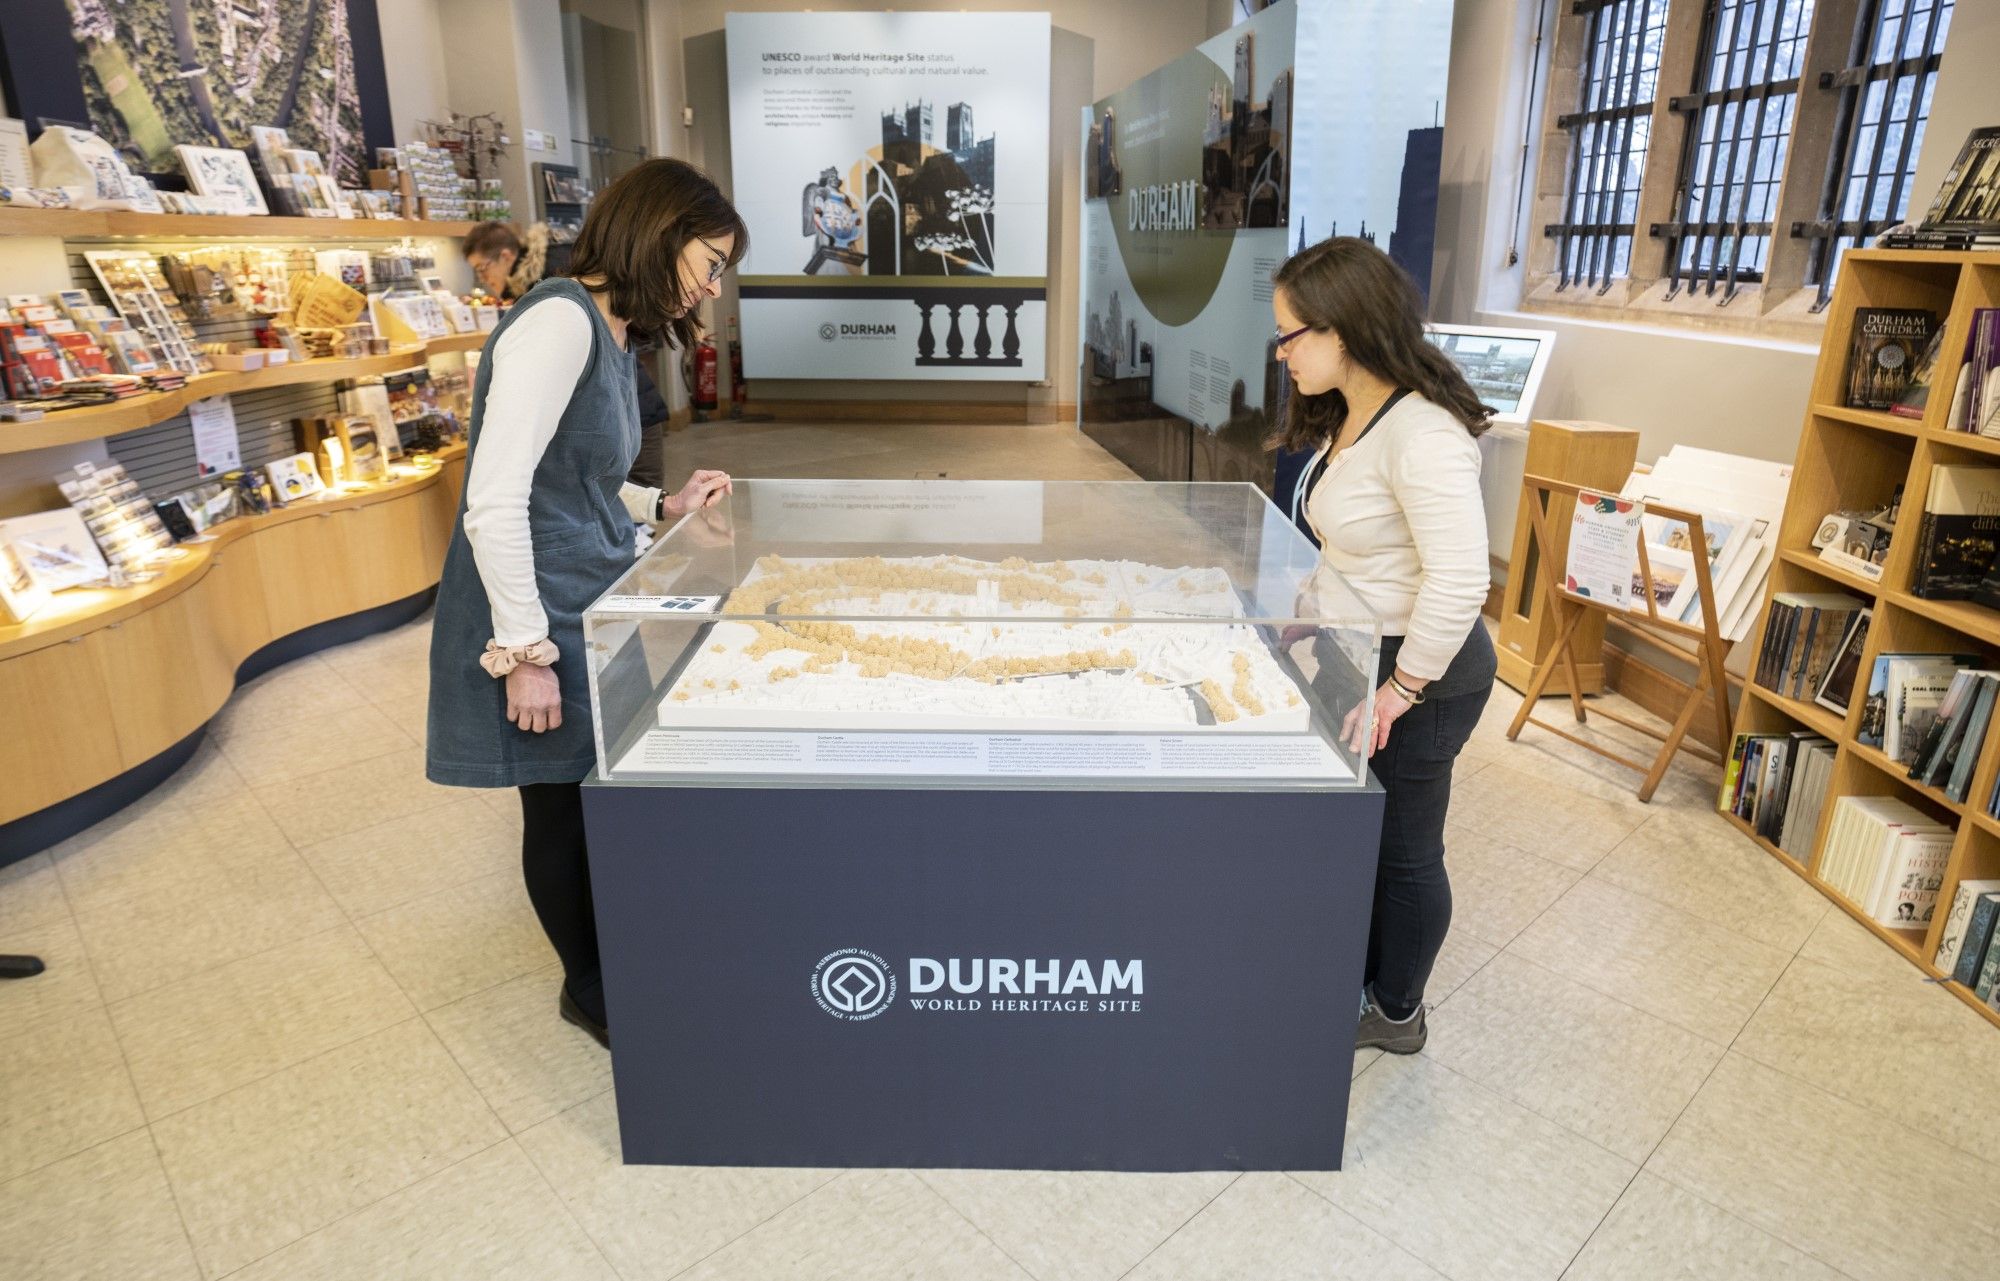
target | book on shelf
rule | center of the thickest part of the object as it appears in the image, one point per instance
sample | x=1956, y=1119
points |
x=1966, y=213
x=1886, y=858
x=1916, y=394
x=1957, y=935
x=1975, y=397
x=1957, y=537
x=1775, y=783
x=1836, y=687
x=1904, y=692
x=1964, y=754
x=1986, y=982
x=1888, y=344
x=1800, y=638
x=1806, y=796
x=1972, y=948
x=1982, y=414
x=1950, y=748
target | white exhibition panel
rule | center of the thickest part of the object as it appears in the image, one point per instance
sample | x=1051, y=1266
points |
x=893, y=170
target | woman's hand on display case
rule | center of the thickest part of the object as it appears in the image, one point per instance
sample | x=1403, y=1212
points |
x=1294, y=633
x=703, y=489
x=534, y=699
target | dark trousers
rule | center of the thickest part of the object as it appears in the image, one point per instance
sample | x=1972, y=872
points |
x=1412, y=893
x=558, y=876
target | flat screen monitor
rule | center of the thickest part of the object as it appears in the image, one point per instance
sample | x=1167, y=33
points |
x=1505, y=366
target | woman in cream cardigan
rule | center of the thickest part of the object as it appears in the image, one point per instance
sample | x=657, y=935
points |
x=1392, y=493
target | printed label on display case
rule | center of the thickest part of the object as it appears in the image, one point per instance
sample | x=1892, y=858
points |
x=886, y=754
x=662, y=604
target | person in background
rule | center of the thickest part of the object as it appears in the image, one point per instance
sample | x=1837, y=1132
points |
x=1392, y=493
x=546, y=526
x=507, y=263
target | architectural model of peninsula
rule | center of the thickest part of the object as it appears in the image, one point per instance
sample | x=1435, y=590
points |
x=947, y=643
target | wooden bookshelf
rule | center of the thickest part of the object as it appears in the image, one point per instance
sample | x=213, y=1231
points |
x=81, y=223
x=1808, y=559
x=1811, y=715
x=1873, y=419
x=1852, y=458
x=70, y=426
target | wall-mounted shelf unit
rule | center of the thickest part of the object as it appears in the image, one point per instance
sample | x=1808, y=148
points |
x=18, y=220
x=70, y=426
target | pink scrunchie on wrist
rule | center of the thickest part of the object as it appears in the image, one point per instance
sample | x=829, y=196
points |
x=499, y=659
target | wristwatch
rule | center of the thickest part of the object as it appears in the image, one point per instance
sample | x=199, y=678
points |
x=660, y=507
x=1404, y=692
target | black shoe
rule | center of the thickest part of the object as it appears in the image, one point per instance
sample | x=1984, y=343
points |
x=573, y=1013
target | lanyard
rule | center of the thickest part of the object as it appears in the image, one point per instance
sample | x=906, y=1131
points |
x=1311, y=475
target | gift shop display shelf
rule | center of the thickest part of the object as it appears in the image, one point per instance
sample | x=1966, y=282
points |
x=68, y=426
x=120, y=682
x=96, y=224
x=1854, y=459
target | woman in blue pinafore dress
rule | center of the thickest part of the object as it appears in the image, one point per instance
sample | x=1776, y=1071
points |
x=546, y=525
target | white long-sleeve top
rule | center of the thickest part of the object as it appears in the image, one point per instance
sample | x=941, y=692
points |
x=1399, y=516
x=536, y=365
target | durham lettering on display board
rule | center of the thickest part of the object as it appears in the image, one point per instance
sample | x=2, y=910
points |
x=893, y=169
x=1312, y=118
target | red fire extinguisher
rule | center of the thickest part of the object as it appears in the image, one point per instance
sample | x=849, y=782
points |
x=704, y=378
x=739, y=391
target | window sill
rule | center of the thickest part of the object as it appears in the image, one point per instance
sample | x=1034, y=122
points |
x=1786, y=321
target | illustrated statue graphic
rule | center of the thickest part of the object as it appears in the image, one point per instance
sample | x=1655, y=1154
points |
x=830, y=216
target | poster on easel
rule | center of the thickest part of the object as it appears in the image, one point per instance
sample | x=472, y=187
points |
x=893, y=169
x=1603, y=562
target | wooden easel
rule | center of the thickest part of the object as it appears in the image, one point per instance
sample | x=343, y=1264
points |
x=1708, y=650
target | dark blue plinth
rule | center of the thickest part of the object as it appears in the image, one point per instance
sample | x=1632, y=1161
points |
x=747, y=934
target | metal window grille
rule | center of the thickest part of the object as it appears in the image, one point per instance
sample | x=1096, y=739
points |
x=1746, y=92
x=1885, y=99
x=1609, y=134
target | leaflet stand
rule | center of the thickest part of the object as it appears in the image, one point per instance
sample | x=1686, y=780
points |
x=1709, y=651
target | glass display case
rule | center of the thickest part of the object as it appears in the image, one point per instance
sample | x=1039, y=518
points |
x=1015, y=634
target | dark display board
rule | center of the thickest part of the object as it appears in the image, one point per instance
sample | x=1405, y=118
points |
x=922, y=977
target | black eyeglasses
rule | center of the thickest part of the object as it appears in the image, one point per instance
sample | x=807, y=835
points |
x=1284, y=340
x=720, y=263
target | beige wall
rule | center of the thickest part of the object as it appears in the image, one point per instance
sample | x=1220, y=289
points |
x=413, y=57
x=1098, y=46
x=506, y=57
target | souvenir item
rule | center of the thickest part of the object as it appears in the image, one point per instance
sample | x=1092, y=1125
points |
x=20, y=594
x=223, y=172
x=294, y=478
x=89, y=169
x=56, y=549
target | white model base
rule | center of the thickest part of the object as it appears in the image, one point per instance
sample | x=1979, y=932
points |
x=1079, y=645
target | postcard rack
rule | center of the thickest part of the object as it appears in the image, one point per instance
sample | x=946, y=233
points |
x=1702, y=645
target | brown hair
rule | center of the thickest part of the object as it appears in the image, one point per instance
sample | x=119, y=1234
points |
x=491, y=238
x=1352, y=288
x=633, y=238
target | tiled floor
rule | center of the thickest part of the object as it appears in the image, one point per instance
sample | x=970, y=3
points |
x=299, y=1024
